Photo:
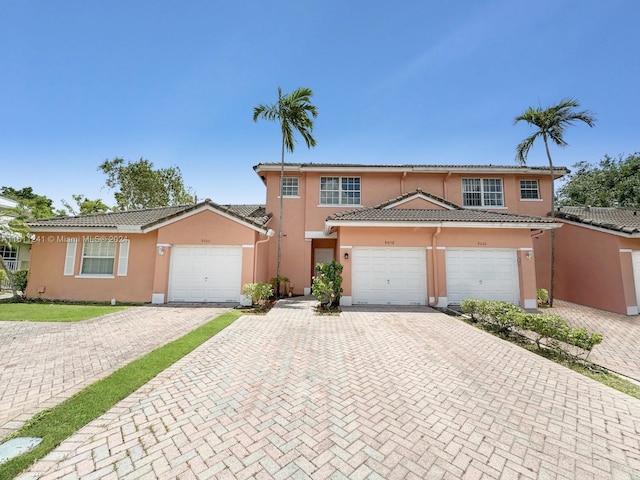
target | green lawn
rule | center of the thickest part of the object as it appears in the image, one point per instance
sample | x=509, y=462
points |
x=53, y=312
x=58, y=423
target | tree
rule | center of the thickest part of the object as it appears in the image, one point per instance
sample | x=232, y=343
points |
x=292, y=111
x=13, y=230
x=85, y=206
x=39, y=206
x=139, y=186
x=550, y=123
x=613, y=182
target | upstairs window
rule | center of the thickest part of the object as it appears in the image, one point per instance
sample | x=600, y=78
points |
x=98, y=257
x=339, y=190
x=482, y=192
x=290, y=187
x=529, y=190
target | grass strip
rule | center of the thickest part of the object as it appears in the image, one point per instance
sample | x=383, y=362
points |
x=56, y=424
x=53, y=312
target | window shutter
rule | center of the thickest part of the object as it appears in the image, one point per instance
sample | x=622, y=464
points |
x=70, y=257
x=123, y=258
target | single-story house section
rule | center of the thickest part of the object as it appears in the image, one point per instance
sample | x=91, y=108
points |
x=195, y=253
x=598, y=258
x=419, y=249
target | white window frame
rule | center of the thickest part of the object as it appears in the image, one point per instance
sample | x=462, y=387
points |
x=104, y=252
x=537, y=198
x=10, y=256
x=483, y=189
x=70, y=257
x=294, y=187
x=123, y=258
x=343, y=194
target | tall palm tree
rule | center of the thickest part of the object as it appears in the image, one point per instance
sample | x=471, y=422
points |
x=550, y=123
x=292, y=111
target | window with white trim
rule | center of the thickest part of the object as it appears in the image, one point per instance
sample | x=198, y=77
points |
x=290, y=187
x=10, y=256
x=482, y=192
x=529, y=190
x=339, y=190
x=98, y=257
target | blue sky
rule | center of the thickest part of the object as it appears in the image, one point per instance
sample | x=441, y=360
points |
x=428, y=82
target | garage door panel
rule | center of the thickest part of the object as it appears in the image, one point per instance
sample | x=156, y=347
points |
x=485, y=274
x=388, y=276
x=205, y=274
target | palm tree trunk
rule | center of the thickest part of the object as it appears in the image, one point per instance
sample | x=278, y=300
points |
x=553, y=232
x=280, y=223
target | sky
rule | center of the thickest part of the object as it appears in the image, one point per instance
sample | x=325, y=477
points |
x=407, y=82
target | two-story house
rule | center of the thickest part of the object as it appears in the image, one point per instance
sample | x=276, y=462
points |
x=405, y=234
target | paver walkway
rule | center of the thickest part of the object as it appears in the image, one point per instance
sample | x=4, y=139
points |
x=620, y=347
x=42, y=364
x=372, y=393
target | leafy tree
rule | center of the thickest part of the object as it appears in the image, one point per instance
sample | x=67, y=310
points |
x=613, y=182
x=550, y=124
x=39, y=206
x=85, y=206
x=138, y=185
x=13, y=230
x=292, y=112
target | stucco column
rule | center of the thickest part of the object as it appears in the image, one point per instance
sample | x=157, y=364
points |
x=161, y=273
x=527, y=278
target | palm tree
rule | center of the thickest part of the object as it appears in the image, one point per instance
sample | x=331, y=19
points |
x=292, y=111
x=551, y=123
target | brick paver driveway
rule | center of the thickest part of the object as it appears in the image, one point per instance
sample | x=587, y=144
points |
x=42, y=364
x=620, y=347
x=368, y=394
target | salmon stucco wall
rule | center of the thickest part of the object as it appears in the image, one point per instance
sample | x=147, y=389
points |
x=588, y=268
x=595, y=268
x=48, y=281
x=519, y=239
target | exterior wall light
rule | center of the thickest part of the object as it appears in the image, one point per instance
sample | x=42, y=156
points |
x=346, y=256
x=529, y=255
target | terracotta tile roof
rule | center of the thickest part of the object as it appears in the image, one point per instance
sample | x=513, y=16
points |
x=418, y=191
x=610, y=218
x=145, y=218
x=440, y=215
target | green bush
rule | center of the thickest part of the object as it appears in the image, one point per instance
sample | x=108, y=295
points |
x=257, y=292
x=543, y=296
x=279, y=282
x=327, y=284
x=20, y=280
x=549, y=330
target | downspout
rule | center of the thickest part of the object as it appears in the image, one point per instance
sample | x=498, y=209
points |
x=269, y=234
x=444, y=186
x=404, y=175
x=434, y=258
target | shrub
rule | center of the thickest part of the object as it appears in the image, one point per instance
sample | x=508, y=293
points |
x=551, y=330
x=279, y=284
x=327, y=284
x=20, y=280
x=543, y=296
x=257, y=292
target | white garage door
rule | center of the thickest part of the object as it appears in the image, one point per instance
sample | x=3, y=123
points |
x=484, y=274
x=635, y=256
x=205, y=274
x=389, y=276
